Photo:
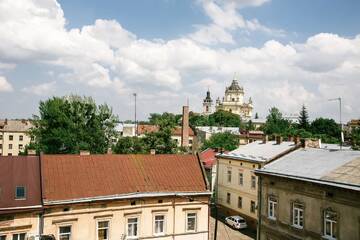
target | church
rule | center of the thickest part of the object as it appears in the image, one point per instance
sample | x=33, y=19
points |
x=233, y=102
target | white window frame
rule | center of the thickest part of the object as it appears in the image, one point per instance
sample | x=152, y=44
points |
x=163, y=222
x=229, y=175
x=61, y=234
x=296, y=218
x=108, y=228
x=137, y=228
x=332, y=223
x=272, y=207
x=187, y=220
x=19, y=233
x=241, y=178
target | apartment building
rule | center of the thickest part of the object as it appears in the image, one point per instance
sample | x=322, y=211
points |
x=14, y=136
x=20, y=197
x=311, y=193
x=98, y=197
x=237, y=183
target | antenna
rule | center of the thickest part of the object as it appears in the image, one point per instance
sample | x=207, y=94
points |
x=341, y=125
x=136, y=129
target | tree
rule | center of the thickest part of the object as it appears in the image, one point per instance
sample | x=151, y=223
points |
x=165, y=118
x=129, y=145
x=325, y=126
x=225, y=140
x=73, y=123
x=198, y=120
x=304, y=119
x=355, y=138
x=249, y=126
x=224, y=119
x=275, y=123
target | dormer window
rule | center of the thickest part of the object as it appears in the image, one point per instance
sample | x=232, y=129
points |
x=20, y=192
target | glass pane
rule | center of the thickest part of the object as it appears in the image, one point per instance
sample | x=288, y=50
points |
x=159, y=217
x=191, y=224
x=64, y=237
x=104, y=224
x=102, y=234
x=22, y=236
x=66, y=229
x=132, y=220
x=334, y=230
x=2, y=237
x=327, y=228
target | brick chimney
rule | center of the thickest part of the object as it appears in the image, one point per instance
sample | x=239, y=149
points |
x=185, y=127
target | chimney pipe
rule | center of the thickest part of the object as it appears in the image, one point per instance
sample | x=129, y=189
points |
x=84, y=152
x=185, y=127
x=152, y=151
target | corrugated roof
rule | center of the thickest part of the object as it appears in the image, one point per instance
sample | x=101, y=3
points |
x=259, y=151
x=19, y=171
x=15, y=125
x=323, y=165
x=67, y=177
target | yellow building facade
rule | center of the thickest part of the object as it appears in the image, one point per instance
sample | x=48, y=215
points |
x=14, y=136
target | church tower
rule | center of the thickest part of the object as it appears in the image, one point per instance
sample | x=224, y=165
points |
x=207, y=104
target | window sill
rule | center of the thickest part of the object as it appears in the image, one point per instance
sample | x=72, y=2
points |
x=297, y=227
x=272, y=218
x=328, y=238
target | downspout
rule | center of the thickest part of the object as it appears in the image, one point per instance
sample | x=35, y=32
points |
x=173, y=205
x=259, y=207
x=41, y=215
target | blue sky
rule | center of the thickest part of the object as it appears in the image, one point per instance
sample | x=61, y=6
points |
x=287, y=53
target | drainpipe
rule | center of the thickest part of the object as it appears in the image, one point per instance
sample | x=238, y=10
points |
x=173, y=218
x=259, y=207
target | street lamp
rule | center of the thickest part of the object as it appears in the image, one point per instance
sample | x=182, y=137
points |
x=341, y=126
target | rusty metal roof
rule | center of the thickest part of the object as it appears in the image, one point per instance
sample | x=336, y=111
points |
x=19, y=171
x=75, y=177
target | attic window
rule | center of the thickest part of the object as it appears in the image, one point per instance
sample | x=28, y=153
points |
x=20, y=192
x=133, y=203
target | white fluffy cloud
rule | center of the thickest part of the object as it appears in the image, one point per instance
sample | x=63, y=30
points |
x=107, y=56
x=5, y=86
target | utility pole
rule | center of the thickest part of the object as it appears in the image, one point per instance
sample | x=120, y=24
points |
x=341, y=125
x=136, y=129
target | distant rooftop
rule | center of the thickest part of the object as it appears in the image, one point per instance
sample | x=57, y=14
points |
x=327, y=166
x=259, y=151
x=15, y=125
x=211, y=129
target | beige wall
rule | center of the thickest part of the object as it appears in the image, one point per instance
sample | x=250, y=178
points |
x=5, y=150
x=22, y=223
x=315, y=199
x=83, y=218
x=245, y=191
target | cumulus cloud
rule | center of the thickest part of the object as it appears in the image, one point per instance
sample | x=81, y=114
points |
x=43, y=89
x=5, y=86
x=107, y=57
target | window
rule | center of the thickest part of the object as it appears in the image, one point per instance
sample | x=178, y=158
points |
x=241, y=179
x=272, y=205
x=252, y=206
x=1, y=137
x=228, y=198
x=190, y=141
x=20, y=192
x=20, y=146
x=19, y=236
x=253, y=181
x=132, y=227
x=3, y=237
x=239, y=202
x=1, y=146
x=21, y=137
x=229, y=175
x=191, y=222
x=159, y=225
x=298, y=215
x=330, y=221
x=9, y=154
x=103, y=230
x=11, y=137
x=10, y=146
x=65, y=233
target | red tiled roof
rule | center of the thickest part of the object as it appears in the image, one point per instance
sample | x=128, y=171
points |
x=67, y=177
x=142, y=129
x=19, y=171
x=208, y=158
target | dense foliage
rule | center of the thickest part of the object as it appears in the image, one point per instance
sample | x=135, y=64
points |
x=355, y=138
x=226, y=141
x=218, y=118
x=70, y=124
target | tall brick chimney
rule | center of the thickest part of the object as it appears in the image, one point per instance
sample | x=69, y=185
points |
x=185, y=127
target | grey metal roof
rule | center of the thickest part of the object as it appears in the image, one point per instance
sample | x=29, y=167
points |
x=321, y=165
x=259, y=151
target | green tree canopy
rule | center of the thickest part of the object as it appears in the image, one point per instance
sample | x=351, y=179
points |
x=74, y=123
x=355, y=138
x=224, y=119
x=225, y=140
x=129, y=145
x=304, y=119
x=165, y=119
x=275, y=123
x=325, y=126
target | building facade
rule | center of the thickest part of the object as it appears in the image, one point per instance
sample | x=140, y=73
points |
x=237, y=184
x=234, y=102
x=14, y=136
x=310, y=194
x=207, y=104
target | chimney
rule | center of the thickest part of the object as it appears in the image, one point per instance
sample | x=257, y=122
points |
x=265, y=138
x=185, y=127
x=31, y=152
x=109, y=151
x=152, y=151
x=279, y=139
x=84, y=152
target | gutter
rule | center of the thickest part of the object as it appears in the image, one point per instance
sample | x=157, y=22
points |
x=126, y=196
x=203, y=172
x=20, y=208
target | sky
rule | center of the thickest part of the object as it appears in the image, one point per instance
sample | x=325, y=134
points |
x=285, y=54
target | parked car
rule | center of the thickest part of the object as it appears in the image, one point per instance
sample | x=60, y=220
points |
x=236, y=222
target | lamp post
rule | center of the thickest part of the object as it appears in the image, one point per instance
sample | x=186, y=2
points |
x=341, y=125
